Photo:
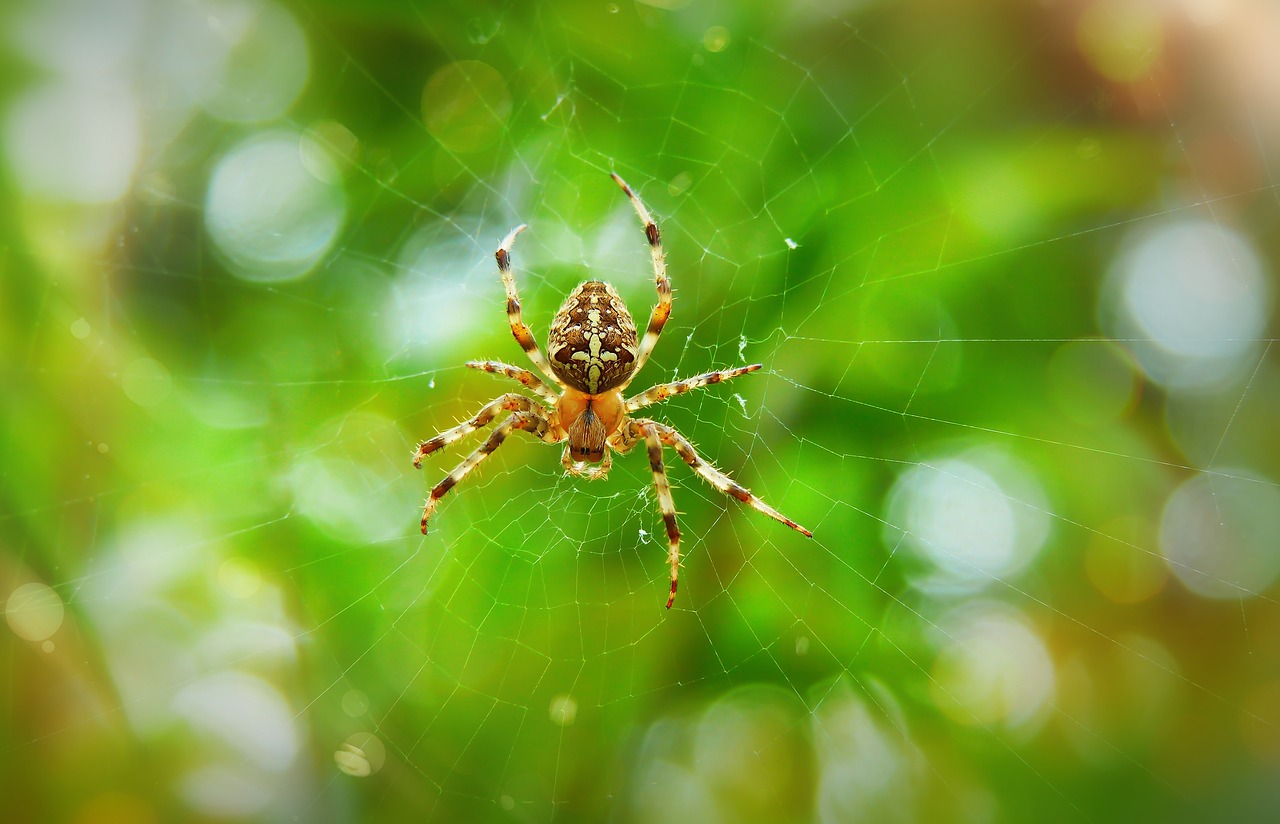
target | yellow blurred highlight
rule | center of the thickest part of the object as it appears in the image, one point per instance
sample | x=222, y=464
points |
x=239, y=577
x=715, y=39
x=1093, y=381
x=332, y=143
x=563, y=710
x=116, y=808
x=465, y=105
x=362, y=754
x=995, y=669
x=34, y=611
x=146, y=382
x=1260, y=722
x=355, y=703
x=1121, y=39
x=1124, y=563
x=745, y=751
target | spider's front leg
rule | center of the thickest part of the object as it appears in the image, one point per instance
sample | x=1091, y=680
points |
x=519, y=329
x=532, y=421
x=662, y=310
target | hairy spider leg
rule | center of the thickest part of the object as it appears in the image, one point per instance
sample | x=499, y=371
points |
x=530, y=421
x=510, y=402
x=715, y=477
x=524, y=377
x=662, y=391
x=519, y=329
x=661, y=311
x=666, y=504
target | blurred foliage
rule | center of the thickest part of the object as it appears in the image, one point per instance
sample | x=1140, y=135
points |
x=907, y=212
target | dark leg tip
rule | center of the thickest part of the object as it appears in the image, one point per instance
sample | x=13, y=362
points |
x=621, y=183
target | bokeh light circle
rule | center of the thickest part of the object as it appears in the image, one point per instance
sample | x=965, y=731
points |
x=1192, y=301
x=972, y=518
x=267, y=211
x=222, y=791
x=866, y=763
x=348, y=494
x=82, y=38
x=563, y=710
x=993, y=667
x=76, y=143
x=1218, y=533
x=744, y=750
x=355, y=703
x=146, y=382
x=246, y=714
x=267, y=66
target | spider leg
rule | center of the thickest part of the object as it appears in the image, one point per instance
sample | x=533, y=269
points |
x=669, y=436
x=662, y=310
x=665, y=390
x=591, y=473
x=519, y=329
x=530, y=421
x=511, y=402
x=523, y=376
x=665, y=502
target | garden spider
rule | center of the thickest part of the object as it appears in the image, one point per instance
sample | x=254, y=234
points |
x=593, y=357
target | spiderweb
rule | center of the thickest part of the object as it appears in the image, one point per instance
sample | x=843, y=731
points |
x=1008, y=275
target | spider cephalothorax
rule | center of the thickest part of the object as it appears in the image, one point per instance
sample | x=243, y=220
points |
x=594, y=356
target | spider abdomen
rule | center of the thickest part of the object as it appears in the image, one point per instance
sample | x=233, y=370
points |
x=592, y=345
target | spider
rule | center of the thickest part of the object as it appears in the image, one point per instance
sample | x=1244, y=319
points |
x=593, y=357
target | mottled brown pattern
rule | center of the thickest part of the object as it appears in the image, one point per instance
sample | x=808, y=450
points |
x=593, y=339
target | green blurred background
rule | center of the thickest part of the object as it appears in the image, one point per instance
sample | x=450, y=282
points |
x=1009, y=270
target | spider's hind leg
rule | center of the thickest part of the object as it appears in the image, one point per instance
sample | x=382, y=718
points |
x=718, y=479
x=531, y=422
x=666, y=503
x=511, y=402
